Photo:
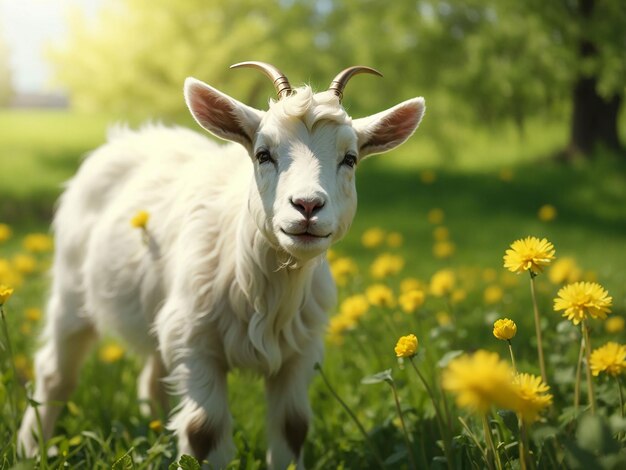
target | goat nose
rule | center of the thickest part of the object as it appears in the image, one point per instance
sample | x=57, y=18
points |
x=307, y=206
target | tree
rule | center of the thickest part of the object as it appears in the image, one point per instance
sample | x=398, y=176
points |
x=6, y=90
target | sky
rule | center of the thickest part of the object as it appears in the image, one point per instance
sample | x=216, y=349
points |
x=28, y=26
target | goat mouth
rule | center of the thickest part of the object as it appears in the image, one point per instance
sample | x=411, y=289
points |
x=306, y=235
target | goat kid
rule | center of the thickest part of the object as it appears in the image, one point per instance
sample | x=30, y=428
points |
x=234, y=273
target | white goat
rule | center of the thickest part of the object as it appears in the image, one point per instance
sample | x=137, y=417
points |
x=234, y=273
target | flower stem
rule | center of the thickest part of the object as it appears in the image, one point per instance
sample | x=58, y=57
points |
x=578, y=375
x=12, y=397
x=621, y=396
x=491, y=448
x=444, y=435
x=409, y=447
x=592, y=397
x=542, y=364
x=524, y=453
x=512, y=355
x=356, y=421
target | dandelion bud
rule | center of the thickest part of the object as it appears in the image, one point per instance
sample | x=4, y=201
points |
x=504, y=329
x=406, y=346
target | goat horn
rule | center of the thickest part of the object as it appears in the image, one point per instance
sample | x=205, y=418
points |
x=283, y=88
x=340, y=81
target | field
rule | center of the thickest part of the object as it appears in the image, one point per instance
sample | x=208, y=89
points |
x=452, y=202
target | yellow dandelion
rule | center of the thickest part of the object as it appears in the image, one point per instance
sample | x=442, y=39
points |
x=5, y=232
x=614, y=325
x=23, y=366
x=529, y=254
x=111, y=353
x=493, y=294
x=380, y=295
x=504, y=329
x=428, y=176
x=583, y=299
x=410, y=283
x=342, y=269
x=610, y=358
x=533, y=397
x=441, y=234
x=435, y=216
x=140, y=219
x=386, y=264
x=38, y=243
x=337, y=326
x=411, y=301
x=156, y=425
x=395, y=240
x=458, y=296
x=480, y=381
x=406, y=346
x=443, y=318
x=442, y=282
x=506, y=174
x=546, y=213
x=443, y=249
x=32, y=314
x=5, y=293
x=565, y=270
x=354, y=306
x=26, y=329
x=24, y=264
x=331, y=255
x=373, y=237
x=8, y=275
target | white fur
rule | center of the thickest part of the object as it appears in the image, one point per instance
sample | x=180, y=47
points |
x=220, y=283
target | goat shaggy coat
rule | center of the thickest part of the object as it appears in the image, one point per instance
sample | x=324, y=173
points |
x=232, y=270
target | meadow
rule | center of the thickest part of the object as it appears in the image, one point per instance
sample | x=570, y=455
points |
x=434, y=217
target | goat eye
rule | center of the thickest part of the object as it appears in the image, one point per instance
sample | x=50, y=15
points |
x=349, y=159
x=263, y=156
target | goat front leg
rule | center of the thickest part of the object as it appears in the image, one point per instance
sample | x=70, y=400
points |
x=203, y=424
x=289, y=412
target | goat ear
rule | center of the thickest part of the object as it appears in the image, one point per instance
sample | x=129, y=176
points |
x=388, y=129
x=220, y=114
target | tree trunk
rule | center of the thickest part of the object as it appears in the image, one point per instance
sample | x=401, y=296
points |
x=594, y=118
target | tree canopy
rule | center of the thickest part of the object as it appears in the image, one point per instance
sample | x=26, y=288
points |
x=488, y=59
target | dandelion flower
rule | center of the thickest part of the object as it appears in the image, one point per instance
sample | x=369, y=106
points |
x=111, y=353
x=443, y=318
x=38, y=243
x=140, y=219
x=156, y=425
x=32, y=314
x=529, y=254
x=614, y=325
x=442, y=282
x=5, y=232
x=380, y=295
x=546, y=213
x=354, y=306
x=504, y=329
x=610, y=358
x=533, y=397
x=583, y=299
x=395, y=240
x=428, y=176
x=24, y=264
x=342, y=269
x=337, y=326
x=480, y=381
x=385, y=265
x=441, y=234
x=443, y=249
x=565, y=270
x=492, y=295
x=373, y=237
x=5, y=293
x=406, y=346
x=411, y=301
x=435, y=216
x=410, y=283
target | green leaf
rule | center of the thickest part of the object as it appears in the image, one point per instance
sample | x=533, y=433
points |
x=125, y=462
x=594, y=435
x=187, y=462
x=509, y=418
x=384, y=376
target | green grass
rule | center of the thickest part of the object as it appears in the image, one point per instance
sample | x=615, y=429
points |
x=484, y=214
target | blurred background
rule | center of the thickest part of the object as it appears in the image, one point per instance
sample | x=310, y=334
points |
x=528, y=93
